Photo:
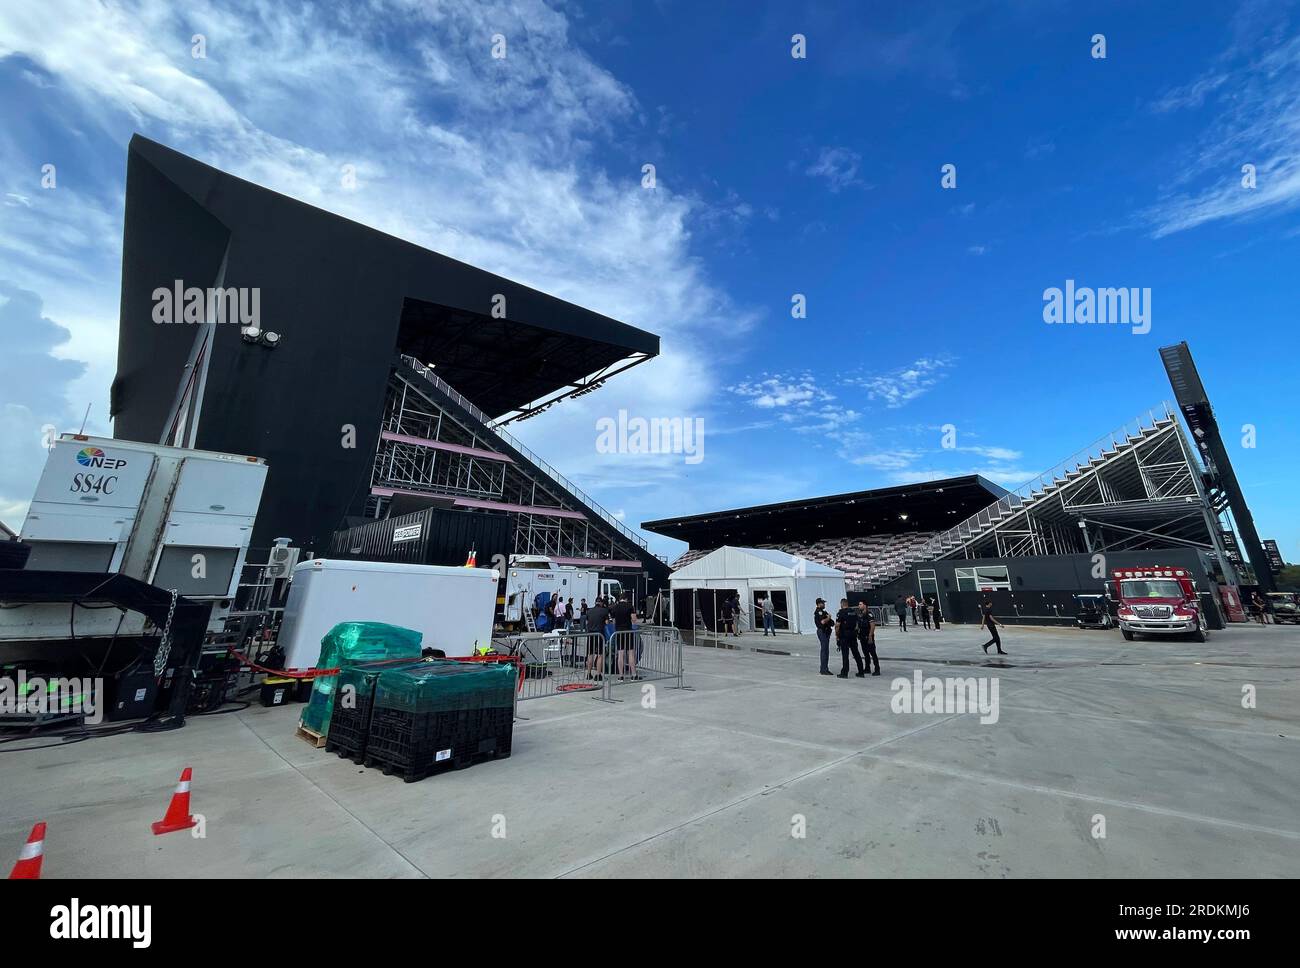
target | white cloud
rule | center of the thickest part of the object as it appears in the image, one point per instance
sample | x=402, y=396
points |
x=993, y=453
x=901, y=386
x=779, y=391
x=1256, y=121
x=838, y=166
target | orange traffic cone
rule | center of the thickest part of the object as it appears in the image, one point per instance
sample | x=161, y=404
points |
x=472, y=560
x=28, y=867
x=178, y=811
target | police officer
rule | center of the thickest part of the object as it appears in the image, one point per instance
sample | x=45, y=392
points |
x=846, y=637
x=824, y=624
x=867, y=636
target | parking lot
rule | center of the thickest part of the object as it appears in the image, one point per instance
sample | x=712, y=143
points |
x=1107, y=759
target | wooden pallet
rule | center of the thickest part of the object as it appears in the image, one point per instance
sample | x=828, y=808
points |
x=311, y=736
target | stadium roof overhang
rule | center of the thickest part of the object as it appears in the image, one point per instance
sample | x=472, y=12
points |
x=332, y=287
x=513, y=369
x=927, y=506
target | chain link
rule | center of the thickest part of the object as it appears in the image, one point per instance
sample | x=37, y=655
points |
x=165, y=644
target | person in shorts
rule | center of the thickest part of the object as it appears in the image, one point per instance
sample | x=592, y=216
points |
x=597, y=616
x=624, y=616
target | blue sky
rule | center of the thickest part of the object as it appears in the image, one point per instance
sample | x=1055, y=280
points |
x=775, y=176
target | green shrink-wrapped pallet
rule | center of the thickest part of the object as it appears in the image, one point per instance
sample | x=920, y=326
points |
x=349, y=644
x=457, y=686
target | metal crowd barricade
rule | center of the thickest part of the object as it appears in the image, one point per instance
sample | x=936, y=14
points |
x=647, y=653
x=553, y=663
x=556, y=663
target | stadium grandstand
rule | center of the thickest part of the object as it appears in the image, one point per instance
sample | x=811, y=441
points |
x=857, y=533
x=1138, y=495
x=375, y=377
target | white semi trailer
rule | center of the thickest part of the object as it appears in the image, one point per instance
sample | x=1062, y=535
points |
x=171, y=516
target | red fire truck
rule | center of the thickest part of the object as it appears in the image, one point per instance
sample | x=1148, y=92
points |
x=1158, y=601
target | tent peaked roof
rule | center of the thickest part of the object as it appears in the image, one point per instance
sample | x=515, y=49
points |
x=731, y=562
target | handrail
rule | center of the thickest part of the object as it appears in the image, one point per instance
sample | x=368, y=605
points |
x=427, y=373
x=1025, y=493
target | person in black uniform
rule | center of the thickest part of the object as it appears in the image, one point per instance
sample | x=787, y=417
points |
x=824, y=624
x=846, y=637
x=990, y=623
x=867, y=636
x=934, y=612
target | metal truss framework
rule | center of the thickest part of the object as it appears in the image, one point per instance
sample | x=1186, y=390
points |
x=427, y=448
x=1138, y=488
x=578, y=388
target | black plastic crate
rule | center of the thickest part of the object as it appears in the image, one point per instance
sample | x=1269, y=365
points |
x=350, y=728
x=416, y=745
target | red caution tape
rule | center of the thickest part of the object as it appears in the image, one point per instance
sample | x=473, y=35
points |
x=321, y=673
x=289, y=673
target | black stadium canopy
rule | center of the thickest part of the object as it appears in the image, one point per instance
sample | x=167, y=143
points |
x=506, y=364
x=927, y=506
x=344, y=297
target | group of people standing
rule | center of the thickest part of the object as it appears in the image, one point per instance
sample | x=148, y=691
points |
x=851, y=627
x=729, y=614
x=923, y=611
x=561, y=613
x=609, y=619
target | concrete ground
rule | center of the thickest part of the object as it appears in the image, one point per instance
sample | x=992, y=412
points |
x=760, y=768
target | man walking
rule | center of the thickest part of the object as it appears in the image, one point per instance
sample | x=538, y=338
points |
x=991, y=624
x=824, y=624
x=900, y=609
x=867, y=636
x=846, y=636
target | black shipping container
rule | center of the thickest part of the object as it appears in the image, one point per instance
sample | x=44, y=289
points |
x=432, y=536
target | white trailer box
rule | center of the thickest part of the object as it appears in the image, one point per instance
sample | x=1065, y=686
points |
x=145, y=510
x=524, y=584
x=171, y=516
x=452, y=606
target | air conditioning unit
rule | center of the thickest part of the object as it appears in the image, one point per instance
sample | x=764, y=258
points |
x=282, y=559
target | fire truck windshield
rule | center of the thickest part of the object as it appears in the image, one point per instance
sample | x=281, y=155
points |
x=1150, y=588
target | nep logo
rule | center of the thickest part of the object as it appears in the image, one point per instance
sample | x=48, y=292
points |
x=94, y=457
